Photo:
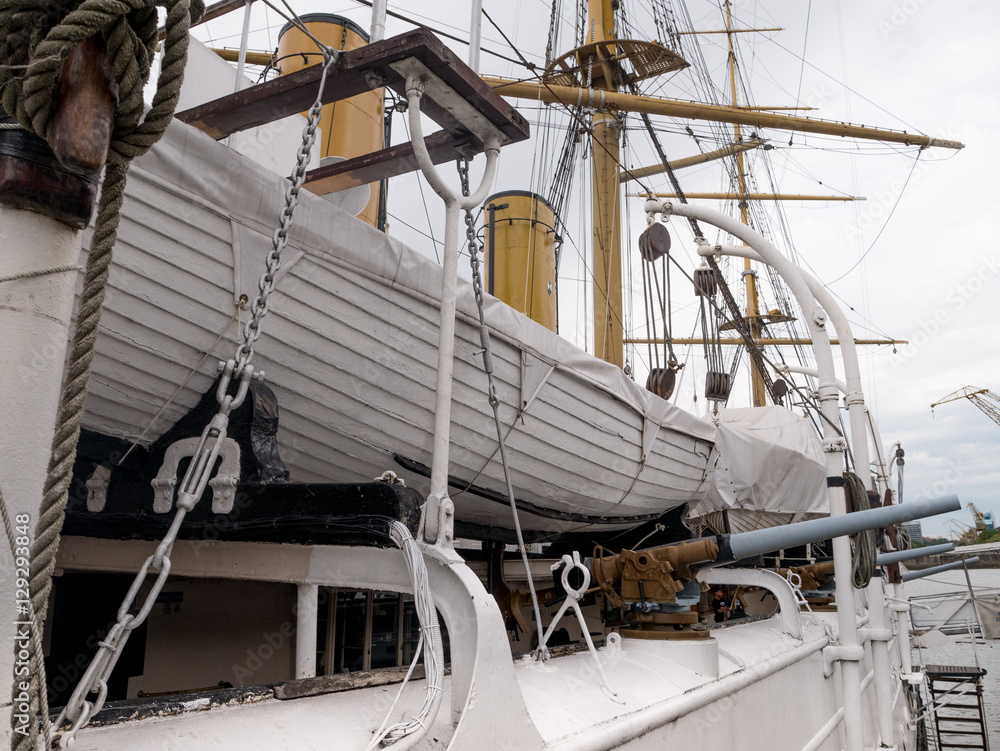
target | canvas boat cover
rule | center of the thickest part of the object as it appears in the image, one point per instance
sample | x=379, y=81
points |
x=253, y=197
x=768, y=464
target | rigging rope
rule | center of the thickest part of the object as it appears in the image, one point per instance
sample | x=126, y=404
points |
x=885, y=224
x=37, y=38
x=864, y=550
x=41, y=272
x=484, y=337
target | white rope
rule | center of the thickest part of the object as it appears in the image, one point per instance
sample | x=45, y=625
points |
x=382, y=731
x=406, y=735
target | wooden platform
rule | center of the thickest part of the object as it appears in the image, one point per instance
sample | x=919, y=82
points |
x=457, y=99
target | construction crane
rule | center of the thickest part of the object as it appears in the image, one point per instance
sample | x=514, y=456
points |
x=967, y=536
x=978, y=516
x=985, y=399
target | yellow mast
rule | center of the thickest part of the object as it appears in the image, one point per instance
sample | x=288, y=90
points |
x=601, y=93
x=779, y=342
x=608, y=331
x=749, y=275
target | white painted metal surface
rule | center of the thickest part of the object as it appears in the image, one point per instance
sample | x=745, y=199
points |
x=759, y=670
x=34, y=319
x=443, y=392
x=833, y=443
x=307, y=609
x=788, y=607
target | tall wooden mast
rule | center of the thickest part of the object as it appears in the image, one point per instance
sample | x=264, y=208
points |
x=590, y=76
x=759, y=393
x=606, y=182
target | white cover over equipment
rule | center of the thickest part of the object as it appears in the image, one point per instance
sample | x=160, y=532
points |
x=768, y=469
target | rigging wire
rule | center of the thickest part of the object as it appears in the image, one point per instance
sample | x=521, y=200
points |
x=569, y=110
x=423, y=198
x=884, y=224
x=805, y=43
x=439, y=32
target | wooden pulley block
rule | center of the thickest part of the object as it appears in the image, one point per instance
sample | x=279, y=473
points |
x=661, y=381
x=654, y=242
x=85, y=113
x=706, y=282
x=717, y=386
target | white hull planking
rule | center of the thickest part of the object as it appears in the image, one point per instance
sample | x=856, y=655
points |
x=351, y=358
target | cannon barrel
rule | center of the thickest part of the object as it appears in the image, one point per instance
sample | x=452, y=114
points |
x=911, y=575
x=899, y=556
x=758, y=542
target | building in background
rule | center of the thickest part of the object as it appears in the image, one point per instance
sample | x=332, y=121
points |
x=913, y=530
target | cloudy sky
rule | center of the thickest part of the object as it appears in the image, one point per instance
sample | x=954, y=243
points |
x=916, y=261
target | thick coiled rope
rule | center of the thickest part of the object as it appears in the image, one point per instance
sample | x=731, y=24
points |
x=38, y=36
x=865, y=551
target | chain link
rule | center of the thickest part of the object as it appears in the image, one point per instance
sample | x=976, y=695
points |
x=477, y=284
x=484, y=340
x=260, y=304
x=78, y=709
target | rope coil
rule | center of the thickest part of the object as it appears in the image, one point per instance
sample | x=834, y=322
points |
x=864, y=549
x=37, y=42
x=38, y=37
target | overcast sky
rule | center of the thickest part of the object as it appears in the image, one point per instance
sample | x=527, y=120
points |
x=929, y=268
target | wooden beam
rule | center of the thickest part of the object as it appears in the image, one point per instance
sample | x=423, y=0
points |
x=216, y=10
x=754, y=197
x=728, y=31
x=390, y=162
x=357, y=71
x=219, y=9
x=572, y=96
x=691, y=161
x=773, y=109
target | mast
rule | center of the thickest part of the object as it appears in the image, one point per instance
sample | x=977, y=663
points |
x=588, y=77
x=749, y=274
x=606, y=179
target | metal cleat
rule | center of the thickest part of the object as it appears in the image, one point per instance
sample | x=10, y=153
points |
x=97, y=488
x=223, y=484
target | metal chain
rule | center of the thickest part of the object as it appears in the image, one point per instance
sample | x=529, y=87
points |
x=78, y=709
x=260, y=304
x=484, y=340
x=477, y=285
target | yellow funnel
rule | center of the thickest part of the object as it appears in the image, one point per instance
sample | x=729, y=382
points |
x=520, y=254
x=351, y=127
